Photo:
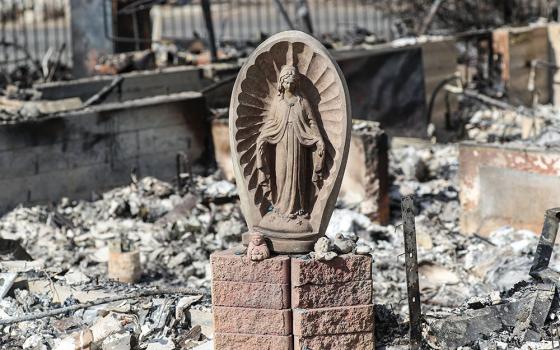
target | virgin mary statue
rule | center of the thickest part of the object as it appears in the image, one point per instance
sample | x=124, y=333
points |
x=290, y=157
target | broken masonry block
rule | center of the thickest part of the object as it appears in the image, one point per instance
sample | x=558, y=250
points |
x=123, y=266
x=506, y=185
x=202, y=318
x=366, y=178
x=117, y=341
x=7, y=280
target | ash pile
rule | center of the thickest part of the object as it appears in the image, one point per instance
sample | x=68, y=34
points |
x=60, y=256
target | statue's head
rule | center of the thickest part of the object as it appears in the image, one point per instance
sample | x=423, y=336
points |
x=288, y=79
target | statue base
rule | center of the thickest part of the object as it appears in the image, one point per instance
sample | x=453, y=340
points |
x=285, y=243
x=292, y=302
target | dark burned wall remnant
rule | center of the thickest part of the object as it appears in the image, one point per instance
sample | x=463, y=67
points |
x=151, y=83
x=386, y=85
x=77, y=153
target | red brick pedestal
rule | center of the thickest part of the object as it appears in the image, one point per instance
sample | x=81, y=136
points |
x=332, y=303
x=286, y=303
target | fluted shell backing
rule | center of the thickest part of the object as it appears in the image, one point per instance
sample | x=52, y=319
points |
x=256, y=87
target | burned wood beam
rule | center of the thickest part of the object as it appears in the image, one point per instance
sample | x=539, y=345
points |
x=100, y=96
x=411, y=262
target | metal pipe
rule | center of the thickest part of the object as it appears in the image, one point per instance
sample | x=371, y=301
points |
x=207, y=12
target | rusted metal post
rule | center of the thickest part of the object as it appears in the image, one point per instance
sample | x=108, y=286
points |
x=540, y=269
x=411, y=262
x=207, y=12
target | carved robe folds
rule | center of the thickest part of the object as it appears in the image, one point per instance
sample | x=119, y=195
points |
x=291, y=146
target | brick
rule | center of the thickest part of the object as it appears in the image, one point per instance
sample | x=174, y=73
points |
x=230, y=341
x=334, y=320
x=229, y=266
x=354, y=341
x=252, y=321
x=251, y=295
x=344, y=268
x=312, y=296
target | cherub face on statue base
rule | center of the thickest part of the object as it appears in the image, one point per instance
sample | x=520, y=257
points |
x=289, y=132
x=257, y=249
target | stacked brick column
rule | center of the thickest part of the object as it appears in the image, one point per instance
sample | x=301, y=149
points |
x=332, y=303
x=324, y=305
x=251, y=302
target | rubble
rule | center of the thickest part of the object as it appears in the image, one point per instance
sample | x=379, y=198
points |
x=524, y=314
x=20, y=105
x=176, y=231
x=73, y=239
